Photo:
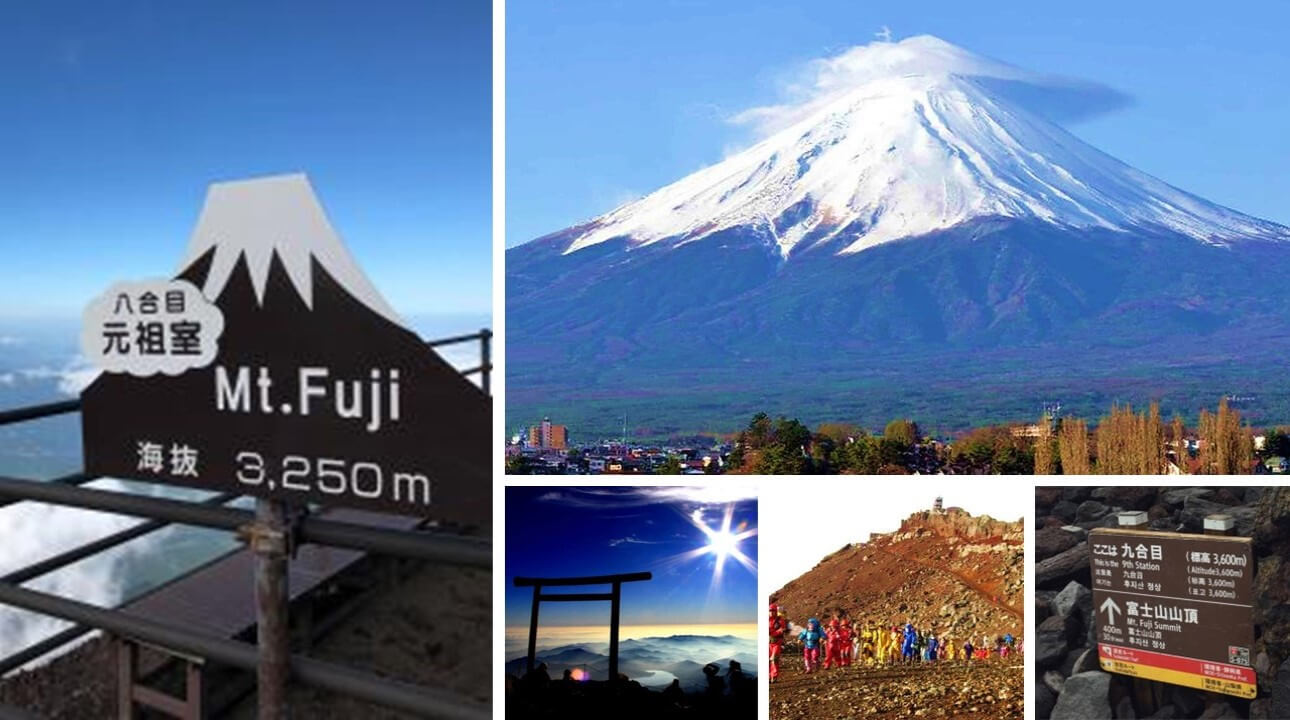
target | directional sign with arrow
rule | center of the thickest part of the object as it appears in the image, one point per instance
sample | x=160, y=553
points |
x=1110, y=608
x=1175, y=608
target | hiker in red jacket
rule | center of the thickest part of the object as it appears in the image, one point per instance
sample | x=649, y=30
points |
x=778, y=627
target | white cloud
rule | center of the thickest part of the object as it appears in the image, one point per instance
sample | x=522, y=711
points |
x=815, y=84
x=10, y=340
x=626, y=497
x=72, y=378
x=8, y=378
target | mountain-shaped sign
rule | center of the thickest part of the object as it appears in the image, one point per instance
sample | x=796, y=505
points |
x=317, y=392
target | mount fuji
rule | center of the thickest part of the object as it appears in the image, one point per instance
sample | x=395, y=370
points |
x=929, y=220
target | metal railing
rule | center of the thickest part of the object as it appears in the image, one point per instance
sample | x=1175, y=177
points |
x=212, y=513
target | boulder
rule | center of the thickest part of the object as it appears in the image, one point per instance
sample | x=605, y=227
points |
x=1046, y=496
x=1045, y=698
x=1076, y=493
x=1177, y=496
x=1062, y=566
x=1166, y=712
x=1054, y=680
x=1065, y=510
x=1073, y=599
x=1278, y=693
x=1086, y=662
x=1188, y=701
x=1051, y=540
x=1084, y=697
x=1219, y=710
x=1126, y=497
x=1091, y=510
x=1195, y=509
x=1052, y=648
x=1124, y=708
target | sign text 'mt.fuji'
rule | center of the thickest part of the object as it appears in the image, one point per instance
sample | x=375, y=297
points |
x=307, y=386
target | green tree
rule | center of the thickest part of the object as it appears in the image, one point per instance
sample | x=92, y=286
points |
x=902, y=431
x=1277, y=442
x=672, y=466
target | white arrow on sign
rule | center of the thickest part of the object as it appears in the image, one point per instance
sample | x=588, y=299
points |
x=1109, y=606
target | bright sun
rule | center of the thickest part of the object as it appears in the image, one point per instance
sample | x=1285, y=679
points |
x=722, y=543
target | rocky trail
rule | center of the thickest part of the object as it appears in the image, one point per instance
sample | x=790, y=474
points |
x=985, y=593
x=980, y=690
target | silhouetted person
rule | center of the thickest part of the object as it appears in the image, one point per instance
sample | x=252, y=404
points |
x=716, y=684
x=736, y=678
x=567, y=679
x=673, y=693
x=539, y=679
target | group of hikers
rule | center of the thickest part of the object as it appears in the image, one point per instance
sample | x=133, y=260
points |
x=842, y=641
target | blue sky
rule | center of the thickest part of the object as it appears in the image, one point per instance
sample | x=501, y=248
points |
x=567, y=531
x=114, y=117
x=610, y=100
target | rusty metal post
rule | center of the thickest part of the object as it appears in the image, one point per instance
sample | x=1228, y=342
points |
x=269, y=543
x=533, y=619
x=614, y=605
x=485, y=360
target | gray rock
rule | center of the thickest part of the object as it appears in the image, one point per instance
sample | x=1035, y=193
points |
x=1278, y=693
x=1062, y=565
x=1219, y=710
x=1195, y=509
x=1052, y=647
x=1178, y=496
x=1126, y=497
x=1253, y=494
x=1065, y=510
x=1091, y=510
x=1045, y=698
x=1051, y=540
x=1073, y=598
x=1188, y=701
x=1124, y=708
x=1084, y=697
x=1076, y=493
x=1054, y=681
x=1166, y=712
x=1086, y=662
x=1260, y=709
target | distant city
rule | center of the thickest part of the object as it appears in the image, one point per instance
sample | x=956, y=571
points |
x=544, y=449
x=1123, y=442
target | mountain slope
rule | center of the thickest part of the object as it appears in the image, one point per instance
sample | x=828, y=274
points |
x=956, y=573
x=907, y=154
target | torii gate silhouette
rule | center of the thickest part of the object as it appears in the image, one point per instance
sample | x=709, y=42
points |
x=614, y=597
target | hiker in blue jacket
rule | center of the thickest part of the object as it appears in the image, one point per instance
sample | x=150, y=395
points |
x=812, y=638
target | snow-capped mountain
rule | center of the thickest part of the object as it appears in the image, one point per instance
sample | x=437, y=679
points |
x=276, y=215
x=920, y=227
x=930, y=144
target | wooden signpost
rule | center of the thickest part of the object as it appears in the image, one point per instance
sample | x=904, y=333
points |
x=1175, y=608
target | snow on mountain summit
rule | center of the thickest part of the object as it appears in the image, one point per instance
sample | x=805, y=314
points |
x=275, y=216
x=906, y=139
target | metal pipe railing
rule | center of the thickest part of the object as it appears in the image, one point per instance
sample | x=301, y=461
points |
x=36, y=412
x=456, y=551
x=35, y=650
x=80, y=552
x=165, y=512
x=364, y=686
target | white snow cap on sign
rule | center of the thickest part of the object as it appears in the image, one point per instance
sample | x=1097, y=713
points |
x=897, y=140
x=281, y=214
